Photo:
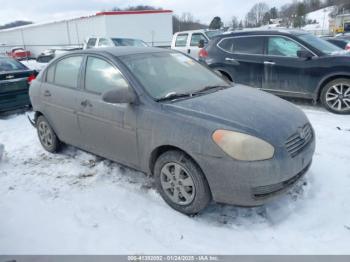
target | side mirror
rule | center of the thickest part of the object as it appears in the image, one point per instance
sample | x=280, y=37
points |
x=201, y=43
x=119, y=96
x=304, y=54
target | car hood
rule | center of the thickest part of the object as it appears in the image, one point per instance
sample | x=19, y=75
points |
x=247, y=110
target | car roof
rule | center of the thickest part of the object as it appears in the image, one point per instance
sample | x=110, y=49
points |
x=281, y=31
x=196, y=31
x=122, y=50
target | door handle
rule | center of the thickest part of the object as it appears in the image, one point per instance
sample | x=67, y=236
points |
x=230, y=59
x=269, y=63
x=188, y=51
x=47, y=93
x=86, y=103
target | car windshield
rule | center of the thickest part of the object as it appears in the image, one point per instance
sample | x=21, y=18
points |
x=167, y=73
x=320, y=44
x=129, y=42
x=8, y=64
x=211, y=34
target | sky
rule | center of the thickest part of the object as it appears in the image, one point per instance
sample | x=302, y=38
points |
x=48, y=10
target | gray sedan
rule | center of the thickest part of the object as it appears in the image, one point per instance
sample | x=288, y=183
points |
x=162, y=113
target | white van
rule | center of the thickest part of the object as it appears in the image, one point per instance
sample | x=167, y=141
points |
x=187, y=41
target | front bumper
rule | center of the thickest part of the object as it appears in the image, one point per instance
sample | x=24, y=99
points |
x=254, y=183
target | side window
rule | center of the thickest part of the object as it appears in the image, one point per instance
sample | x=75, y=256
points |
x=196, y=37
x=50, y=74
x=252, y=45
x=181, y=40
x=67, y=71
x=226, y=44
x=91, y=43
x=101, y=76
x=281, y=46
x=103, y=42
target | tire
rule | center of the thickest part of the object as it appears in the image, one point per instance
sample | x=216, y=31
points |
x=47, y=136
x=187, y=191
x=335, y=96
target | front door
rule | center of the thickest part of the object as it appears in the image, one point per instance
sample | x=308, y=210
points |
x=108, y=130
x=59, y=96
x=284, y=72
x=243, y=59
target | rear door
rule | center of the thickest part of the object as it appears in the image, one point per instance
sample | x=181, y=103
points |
x=243, y=59
x=107, y=129
x=284, y=71
x=59, y=96
x=193, y=49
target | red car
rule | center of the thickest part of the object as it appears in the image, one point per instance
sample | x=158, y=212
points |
x=19, y=53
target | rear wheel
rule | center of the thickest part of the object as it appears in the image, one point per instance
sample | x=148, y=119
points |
x=335, y=96
x=47, y=136
x=181, y=183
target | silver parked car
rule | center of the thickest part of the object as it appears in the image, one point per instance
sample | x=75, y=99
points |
x=163, y=113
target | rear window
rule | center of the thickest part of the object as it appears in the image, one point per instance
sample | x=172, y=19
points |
x=91, y=43
x=253, y=45
x=181, y=40
x=9, y=64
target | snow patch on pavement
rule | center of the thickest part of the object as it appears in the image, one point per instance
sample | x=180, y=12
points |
x=76, y=203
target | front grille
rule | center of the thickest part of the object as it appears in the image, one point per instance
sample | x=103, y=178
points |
x=298, y=141
x=270, y=190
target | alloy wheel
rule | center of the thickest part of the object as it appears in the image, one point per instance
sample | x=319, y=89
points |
x=45, y=134
x=177, y=183
x=338, y=97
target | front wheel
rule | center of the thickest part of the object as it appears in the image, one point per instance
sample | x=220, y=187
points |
x=181, y=183
x=335, y=96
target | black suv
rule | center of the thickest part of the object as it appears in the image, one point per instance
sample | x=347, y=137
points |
x=285, y=62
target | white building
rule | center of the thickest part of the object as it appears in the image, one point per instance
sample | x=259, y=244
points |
x=152, y=26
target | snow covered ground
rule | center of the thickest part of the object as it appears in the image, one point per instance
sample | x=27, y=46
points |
x=76, y=203
x=321, y=16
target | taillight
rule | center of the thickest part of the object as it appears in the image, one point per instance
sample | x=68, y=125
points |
x=31, y=78
x=203, y=53
x=347, y=47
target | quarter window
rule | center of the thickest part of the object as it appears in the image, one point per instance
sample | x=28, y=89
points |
x=181, y=40
x=252, y=45
x=101, y=76
x=67, y=71
x=281, y=46
x=196, y=38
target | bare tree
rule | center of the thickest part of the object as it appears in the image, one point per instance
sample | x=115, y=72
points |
x=234, y=24
x=256, y=14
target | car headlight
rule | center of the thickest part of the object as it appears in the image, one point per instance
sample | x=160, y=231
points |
x=242, y=146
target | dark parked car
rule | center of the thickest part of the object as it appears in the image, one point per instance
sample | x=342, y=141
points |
x=14, y=84
x=165, y=114
x=284, y=62
x=339, y=42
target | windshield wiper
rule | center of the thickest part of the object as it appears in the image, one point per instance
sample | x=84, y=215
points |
x=173, y=96
x=211, y=87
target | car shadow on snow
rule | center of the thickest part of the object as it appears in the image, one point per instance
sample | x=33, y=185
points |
x=96, y=169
